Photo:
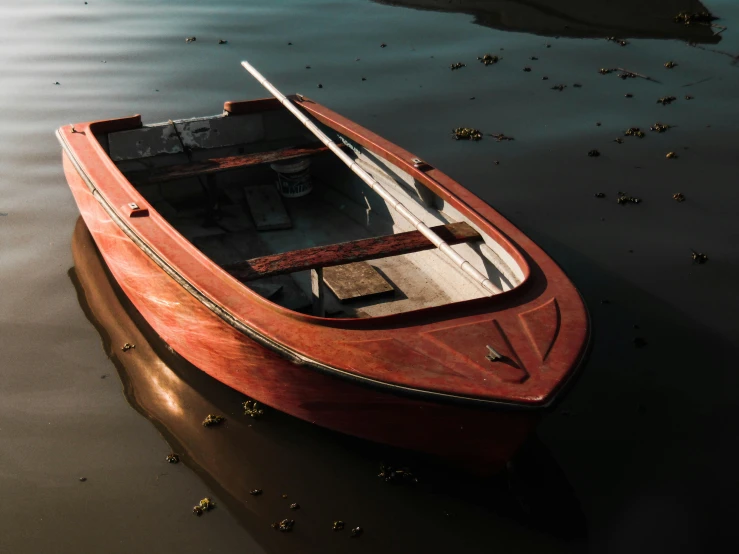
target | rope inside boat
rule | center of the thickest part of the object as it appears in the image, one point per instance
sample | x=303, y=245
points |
x=437, y=241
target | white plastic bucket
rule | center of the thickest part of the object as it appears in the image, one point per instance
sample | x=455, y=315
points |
x=293, y=177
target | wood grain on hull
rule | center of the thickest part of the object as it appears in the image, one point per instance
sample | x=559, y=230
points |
x=479, y=439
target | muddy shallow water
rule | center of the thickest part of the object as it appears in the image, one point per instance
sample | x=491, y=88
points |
x=642, y=443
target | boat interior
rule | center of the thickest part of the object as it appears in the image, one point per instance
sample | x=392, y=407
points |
x=263, y=198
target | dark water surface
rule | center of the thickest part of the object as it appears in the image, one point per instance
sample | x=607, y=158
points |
x=645, y=438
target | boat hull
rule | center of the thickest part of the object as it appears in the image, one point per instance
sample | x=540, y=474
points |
x=479, y=438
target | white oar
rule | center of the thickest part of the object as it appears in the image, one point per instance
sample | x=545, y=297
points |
x=377, y=187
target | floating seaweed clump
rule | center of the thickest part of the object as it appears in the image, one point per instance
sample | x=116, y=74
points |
x=211, y=420
x=593, y=153
x=466, y=133
x=338, y=525
x=660, y=127
x=699, y=257
x=253, y=408
x=488, y=59
x=356, y=532
x=205, y=505
x=666, y=100
x=560, y=88
x=634, y=132
x=624, y=198
x=286, y=525
x=670, y=65
x=173, y=458
x=670, y=155
x=699, y=18
x=457, y=65
x=678, y=197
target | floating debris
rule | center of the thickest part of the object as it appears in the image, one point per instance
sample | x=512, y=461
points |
x=624, y=198
x=284, y=496
x=670, y=155
x=597, y=123
x=618, y=41
x=307, y=67
x=699, y=18
x=338, y=525
x=190, y=39
x=83, y=479
x=213, y=420
x=500, y=137
x=625, y=73
x=457, y=65
x=393, y=475
x=666, y=100
x=560, y=88
x=383, y=45
x=670, y=65
x=600, y=194
x=294, y=506
x=320, y=85
x=221, y=41
x=527, y=69
x=255, y=492
x=545, y=78
x=628, y=95
x=364, y=78
x=57, y=83
x=173, y=458
x=699, y=257
x=593, y=153
x=618, y=140
x=205, y=505
x=286, y=525
x=634, y=132
x=357, y=532
x=488, y=59
x=688, y=97
x=466, y=133
x=252, y=408
x=533, y=58
x=660, y=127
x=577, y=85
x=289, y=43
x=678, y=197
x=128, y=346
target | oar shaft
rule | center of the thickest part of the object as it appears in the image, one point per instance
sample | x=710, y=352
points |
x=466, y=266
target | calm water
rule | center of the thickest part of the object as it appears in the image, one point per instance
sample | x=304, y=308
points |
x=644, y=438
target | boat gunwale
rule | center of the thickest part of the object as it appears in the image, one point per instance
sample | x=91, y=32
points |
x=105, y=126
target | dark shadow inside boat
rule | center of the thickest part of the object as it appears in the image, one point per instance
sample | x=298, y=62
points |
x=286, y=217
x=331, y=476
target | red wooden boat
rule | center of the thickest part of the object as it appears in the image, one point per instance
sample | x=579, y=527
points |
x=321, y=301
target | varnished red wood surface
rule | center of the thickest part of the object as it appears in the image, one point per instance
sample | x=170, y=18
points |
x=411, y=350
x=216, y=165
x=348, y=252
x=480, y=440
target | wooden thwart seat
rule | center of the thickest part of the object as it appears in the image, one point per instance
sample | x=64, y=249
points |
x=348, y=252
x=216, y=165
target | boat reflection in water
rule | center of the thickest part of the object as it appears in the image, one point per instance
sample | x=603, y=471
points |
x=579, y=18
x=332, y=476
